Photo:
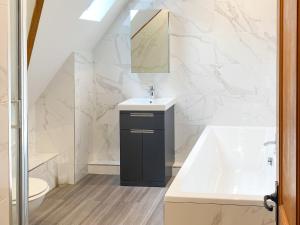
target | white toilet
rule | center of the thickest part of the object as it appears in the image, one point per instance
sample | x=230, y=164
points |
x=38, y=189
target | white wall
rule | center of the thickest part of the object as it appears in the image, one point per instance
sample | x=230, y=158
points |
x=54, y=121
x=223, y=70
x=61, y=119
x=83, y=111
x=4, y=115
x=60, y=33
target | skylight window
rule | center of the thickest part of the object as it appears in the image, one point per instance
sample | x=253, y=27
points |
x=97, y=10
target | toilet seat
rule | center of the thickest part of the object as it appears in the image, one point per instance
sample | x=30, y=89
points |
x=37, y=188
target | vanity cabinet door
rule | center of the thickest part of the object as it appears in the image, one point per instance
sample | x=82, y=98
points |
x=153, y=158
x=131, y=157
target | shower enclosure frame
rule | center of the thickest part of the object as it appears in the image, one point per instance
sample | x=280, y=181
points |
x=18, y=110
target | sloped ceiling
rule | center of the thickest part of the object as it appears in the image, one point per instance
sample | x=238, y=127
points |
x=60, y=33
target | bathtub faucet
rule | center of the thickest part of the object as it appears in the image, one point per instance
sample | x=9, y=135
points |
x=267, y=143
x=270, y=161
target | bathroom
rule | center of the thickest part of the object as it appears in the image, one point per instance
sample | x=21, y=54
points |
x=145, y=112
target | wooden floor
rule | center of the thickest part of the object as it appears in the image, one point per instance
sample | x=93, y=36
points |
x=99, y=199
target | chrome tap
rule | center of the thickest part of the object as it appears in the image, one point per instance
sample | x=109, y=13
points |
x=267, y=143
x=271, y=151
x=152, y=93
x=270, y=161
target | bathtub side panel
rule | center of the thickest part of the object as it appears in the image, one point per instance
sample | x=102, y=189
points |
x=208, y=214
x=192, y=214
x=246, y=215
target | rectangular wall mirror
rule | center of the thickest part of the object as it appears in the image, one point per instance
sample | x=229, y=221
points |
x=150, y=41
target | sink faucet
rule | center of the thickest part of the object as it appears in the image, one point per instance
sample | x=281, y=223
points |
x=151, y=91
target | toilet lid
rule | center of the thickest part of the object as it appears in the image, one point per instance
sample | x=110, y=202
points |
x=36, y=187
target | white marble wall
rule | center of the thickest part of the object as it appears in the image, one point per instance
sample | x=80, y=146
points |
x=223, y=70
x=4, y=115
x=54, y=121
x=83, y=76
x=61, y=119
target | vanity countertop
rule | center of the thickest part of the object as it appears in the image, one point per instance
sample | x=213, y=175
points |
x=147, y=104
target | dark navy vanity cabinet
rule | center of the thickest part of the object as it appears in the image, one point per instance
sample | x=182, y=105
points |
x=146, y=147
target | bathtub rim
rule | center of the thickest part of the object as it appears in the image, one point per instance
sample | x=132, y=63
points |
x=174, y=195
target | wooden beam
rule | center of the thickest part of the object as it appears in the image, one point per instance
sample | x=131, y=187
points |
x=289, y=112
x=37, y=12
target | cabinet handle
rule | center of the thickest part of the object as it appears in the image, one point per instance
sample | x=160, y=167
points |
x=148, y=131
x=138, y=131
x=135, y=131
x=141, y=114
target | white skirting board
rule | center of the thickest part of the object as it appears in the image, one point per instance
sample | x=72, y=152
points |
x=114, y=168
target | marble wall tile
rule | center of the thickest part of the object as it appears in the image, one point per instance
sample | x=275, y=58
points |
x=223, y=70
x=55, y=121
x=84, y=96
x=61, y=121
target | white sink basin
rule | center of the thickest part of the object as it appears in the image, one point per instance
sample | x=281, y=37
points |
x=146, y=104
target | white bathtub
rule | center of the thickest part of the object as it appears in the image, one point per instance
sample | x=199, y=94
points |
x=224, y=179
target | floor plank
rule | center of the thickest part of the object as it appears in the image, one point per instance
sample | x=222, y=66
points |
x=99, y=199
